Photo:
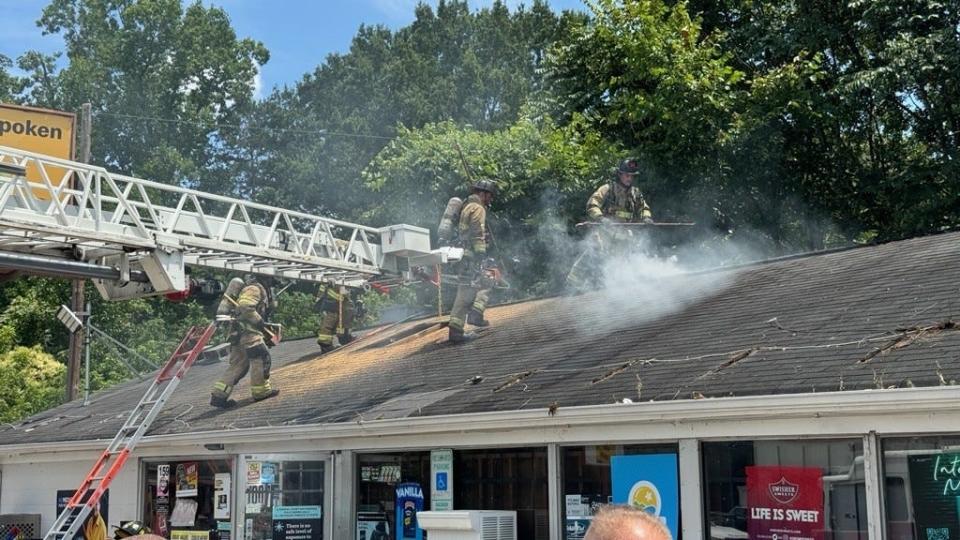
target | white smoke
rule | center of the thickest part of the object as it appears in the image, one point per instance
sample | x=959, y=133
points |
x=640, y=285
x=639, y=280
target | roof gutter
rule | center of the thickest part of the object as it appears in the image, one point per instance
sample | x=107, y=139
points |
x=777, y=407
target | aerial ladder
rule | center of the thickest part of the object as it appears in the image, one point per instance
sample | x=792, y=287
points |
x=136, y=238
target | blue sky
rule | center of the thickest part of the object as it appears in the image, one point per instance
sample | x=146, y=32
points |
x=298, y=33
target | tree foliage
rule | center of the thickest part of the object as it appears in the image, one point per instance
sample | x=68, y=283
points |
x=857, y=103
x=30, y=381
x=795, y=125
x=307, y=146
x=161, y=77
x=544, y=174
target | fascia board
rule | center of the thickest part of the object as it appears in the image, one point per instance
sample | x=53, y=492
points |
x=857, y=403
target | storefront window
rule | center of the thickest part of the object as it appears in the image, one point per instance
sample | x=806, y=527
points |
x=283, y=499
x=588, y=482
x=492, y=479
x=505, y=479
x=785, y=489
x=379, y=477
x=188, y=500
x=922, y=484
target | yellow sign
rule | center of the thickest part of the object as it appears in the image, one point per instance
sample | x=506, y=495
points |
x=42, y=131
x=189, y=535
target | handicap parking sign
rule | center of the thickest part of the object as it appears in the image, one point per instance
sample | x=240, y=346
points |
x=441, y=481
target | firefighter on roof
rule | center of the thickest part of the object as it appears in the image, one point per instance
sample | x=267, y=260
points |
x=338, y=309
x=618, y=201
x=472, y=293
x=248, y=312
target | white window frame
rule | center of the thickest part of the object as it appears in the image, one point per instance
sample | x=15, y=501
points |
x=240, y=486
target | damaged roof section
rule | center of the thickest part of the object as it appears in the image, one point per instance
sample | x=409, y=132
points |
x=873, y=317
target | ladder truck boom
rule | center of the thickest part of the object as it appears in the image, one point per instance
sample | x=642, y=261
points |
x=143, y=228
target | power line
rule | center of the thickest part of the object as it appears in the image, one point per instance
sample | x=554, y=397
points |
x=320, y=132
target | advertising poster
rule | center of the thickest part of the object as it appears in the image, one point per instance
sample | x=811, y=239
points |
x=409, y=502
x=188, y=479
x=297, y=523
x=785, y=503
x=162, y=522
x=650, y=482
x=935, y=490
x=268, y=473
x=253, y=473
x=184, y=513
x=64, y=496
x=576, y=527
x=372, y=529
x=223, y=530
x=221, y=496
x=441, y=471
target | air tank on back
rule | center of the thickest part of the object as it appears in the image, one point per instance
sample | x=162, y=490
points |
x=448, y=223
x=228, y=302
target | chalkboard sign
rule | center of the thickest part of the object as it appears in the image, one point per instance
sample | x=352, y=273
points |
x=935, y=490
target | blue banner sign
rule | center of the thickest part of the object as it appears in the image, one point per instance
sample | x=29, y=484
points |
x=649, y=482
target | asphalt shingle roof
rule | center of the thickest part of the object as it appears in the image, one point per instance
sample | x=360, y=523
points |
x=871, y=317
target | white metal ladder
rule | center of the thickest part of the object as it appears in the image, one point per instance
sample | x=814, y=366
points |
x=110, y=463
x=80, y=209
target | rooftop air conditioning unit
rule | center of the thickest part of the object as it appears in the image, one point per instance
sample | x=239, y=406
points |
x=20, y=526
x=469, y=524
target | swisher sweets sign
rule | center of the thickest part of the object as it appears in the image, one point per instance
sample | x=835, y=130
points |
x=786, y=503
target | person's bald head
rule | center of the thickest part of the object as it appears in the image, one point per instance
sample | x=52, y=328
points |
x=626, y=523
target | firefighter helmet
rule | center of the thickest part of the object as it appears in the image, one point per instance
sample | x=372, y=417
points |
x=629, y=166
x=131, y=528
x=485, y=184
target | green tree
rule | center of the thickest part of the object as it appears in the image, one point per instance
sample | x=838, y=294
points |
x=161, y=78
x=858, y=103
x=645, y=75
x=715, y=132
x=11, y=86
x=473, y=67
x=30, y=381
x=151, y=327
x=545, y=174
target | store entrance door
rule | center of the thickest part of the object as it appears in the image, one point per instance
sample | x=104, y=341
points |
x=285, y=497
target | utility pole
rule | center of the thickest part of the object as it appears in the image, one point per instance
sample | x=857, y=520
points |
x=77, y=293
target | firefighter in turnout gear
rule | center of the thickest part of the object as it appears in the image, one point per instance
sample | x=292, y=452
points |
x=618, y=201
x=338, y=309
x=248, y=348
x=472, y=292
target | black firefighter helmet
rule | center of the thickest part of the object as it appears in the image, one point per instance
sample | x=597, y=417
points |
x=130, y=528
x=485, y=184
x=629, y=166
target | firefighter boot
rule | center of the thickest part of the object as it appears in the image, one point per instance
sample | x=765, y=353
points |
x=325, y=341
x=475, y=318
x=268, y=395
x=222, y=402
x=345, y=338
x=457, y=335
